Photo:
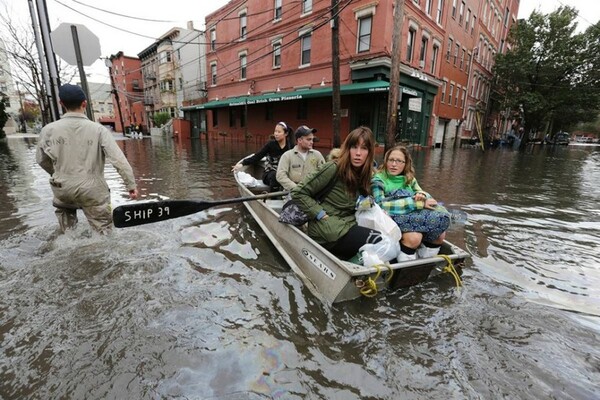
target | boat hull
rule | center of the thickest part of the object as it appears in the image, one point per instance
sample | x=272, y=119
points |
x=327, y=277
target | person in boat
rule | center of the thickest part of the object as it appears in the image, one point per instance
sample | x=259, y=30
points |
x=332, y=221
x=422, y=221
x=73, y=151
x=301, y=161
x=273, y=150
x=334, y=154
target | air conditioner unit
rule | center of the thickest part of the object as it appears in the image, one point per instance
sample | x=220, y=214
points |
x=422, y=64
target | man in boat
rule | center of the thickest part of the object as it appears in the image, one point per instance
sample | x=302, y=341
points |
x=73, y=151
x=301, y=161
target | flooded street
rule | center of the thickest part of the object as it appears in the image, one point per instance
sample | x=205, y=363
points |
x=203, y=307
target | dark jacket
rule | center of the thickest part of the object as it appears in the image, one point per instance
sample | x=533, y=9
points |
x=273, y=153
x=338, y=205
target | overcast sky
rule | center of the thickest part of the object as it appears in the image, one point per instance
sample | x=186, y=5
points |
x=132, y=25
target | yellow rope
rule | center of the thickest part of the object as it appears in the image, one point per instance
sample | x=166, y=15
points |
x=451, y=270
x=370, y=287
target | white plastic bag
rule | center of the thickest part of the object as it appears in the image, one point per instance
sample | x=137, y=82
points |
x=375, y=218
x=385, y=250
x=247, y=179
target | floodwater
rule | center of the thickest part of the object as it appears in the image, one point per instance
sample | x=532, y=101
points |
x=202, y=307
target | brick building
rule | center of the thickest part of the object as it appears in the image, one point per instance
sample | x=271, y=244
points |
x=266, y=65
x=126, y=80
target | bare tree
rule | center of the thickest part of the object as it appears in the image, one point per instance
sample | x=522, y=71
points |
x=24, y=60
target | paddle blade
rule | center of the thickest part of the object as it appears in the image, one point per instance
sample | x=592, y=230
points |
x=146, y=213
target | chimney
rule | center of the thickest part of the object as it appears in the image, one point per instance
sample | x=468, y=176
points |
x=190, y=25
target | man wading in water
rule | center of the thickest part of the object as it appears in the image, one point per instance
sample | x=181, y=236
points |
x=73, y=151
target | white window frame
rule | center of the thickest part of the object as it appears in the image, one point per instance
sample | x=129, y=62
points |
x=305, y=36
x=243, y=16
x=243, y=57
x=360, y=36
x=307, y=7
x=277, y=10
x=213, y=73
x=276, y=46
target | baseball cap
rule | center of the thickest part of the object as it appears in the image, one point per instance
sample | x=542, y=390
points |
x=304, y=130
x=71, y=93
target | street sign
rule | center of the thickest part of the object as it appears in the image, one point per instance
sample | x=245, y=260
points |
x=62, y=42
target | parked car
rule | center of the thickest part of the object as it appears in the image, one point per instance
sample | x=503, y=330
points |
x=562, y=138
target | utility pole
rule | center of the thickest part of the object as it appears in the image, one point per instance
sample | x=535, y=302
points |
x=108, y=63
x=335, y=72
x=51, y=90
x=392, y=111
x=45, y=100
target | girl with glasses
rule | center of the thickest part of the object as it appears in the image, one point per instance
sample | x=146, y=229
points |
x=422, y=221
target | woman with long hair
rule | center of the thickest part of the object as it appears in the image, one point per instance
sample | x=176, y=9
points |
x=422, y=221
x=332, y=222
x=273, y=150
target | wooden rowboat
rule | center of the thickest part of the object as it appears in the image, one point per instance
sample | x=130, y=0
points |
x=327, y=277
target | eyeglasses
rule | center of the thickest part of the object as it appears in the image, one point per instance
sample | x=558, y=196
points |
x=396, y=161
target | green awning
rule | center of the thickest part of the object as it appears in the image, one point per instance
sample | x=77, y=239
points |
x=353, y=88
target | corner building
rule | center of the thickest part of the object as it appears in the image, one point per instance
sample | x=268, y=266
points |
x=270, y=61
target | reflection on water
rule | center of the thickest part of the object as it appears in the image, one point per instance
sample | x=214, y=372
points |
x=203, y=307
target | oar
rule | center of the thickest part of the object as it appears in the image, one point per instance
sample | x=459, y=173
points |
x=146, y=213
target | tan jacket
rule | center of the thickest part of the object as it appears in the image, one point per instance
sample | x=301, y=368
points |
x=293, y=168
x=73, y=150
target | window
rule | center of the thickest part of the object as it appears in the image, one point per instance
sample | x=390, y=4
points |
x=213, y=74
x=215, y=115
x=277, y=55
x=306, y=6
x=165, y=57
x=269, y=112
x=450, y=94
x=450, y=42
x=166, y=85
x=462, y=99
x=457, y=96
x=231, y=117
x=213, y=39
x=454, y=9
x=461, y=13
x=428, y=5
x=305, y=45
x=364, y=33
x=278, y=11
x=456, y=49
x=443, y=91
x=243, y=27
x=440, y=10
x=410, y=44
x=434, y=56
x=180, y=83
x=506, y=17
x=467, y=20
x=243, y=60
x=243, y=117
x=473, y=24
x=302, y=111
x=423, y=55
x=462, y=58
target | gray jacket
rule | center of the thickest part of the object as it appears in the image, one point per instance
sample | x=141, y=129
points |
x=73, y=150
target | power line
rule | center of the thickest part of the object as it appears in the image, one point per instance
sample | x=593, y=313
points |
x=121, y=15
